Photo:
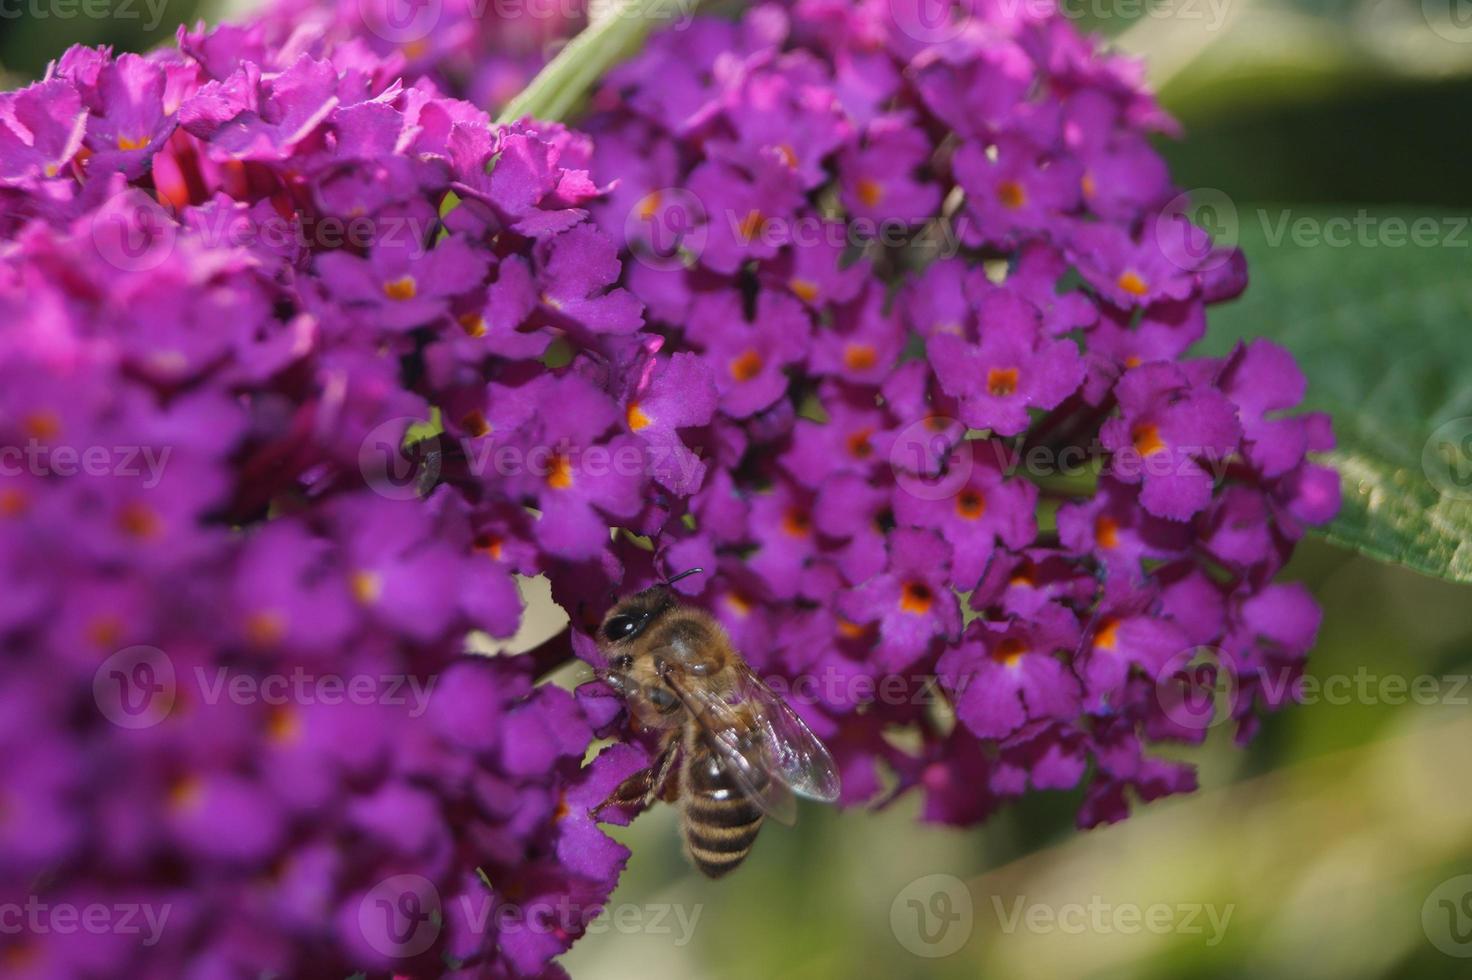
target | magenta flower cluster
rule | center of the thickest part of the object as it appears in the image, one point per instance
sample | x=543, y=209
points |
x=883, y=323
x=235, y=689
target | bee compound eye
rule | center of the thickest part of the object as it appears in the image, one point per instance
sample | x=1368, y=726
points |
x=621, y=628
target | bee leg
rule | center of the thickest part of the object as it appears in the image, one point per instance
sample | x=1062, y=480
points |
x=645, y=786
x=632, y=792
x=666, y=783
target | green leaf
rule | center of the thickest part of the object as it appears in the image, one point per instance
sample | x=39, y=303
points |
x=1380, y=318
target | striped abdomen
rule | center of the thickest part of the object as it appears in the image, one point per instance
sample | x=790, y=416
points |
x=719, y=823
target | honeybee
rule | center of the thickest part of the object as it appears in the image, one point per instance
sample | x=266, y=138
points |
x=732, y=752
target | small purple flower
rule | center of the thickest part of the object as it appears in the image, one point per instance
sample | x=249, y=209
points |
x=1012, y=369
x=911, y=601
x=1169, y=431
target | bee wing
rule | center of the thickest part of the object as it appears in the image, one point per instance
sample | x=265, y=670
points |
x=789, y=749
x=735, y=735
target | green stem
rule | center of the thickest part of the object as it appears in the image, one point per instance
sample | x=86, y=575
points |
x=618, y=33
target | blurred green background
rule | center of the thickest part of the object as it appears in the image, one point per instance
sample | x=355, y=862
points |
x=1320, y=848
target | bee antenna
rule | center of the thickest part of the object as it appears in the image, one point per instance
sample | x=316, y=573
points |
x=685, y=574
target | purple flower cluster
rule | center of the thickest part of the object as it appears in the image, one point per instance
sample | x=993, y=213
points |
x=946, y=290
x=881, y=322
x=235, y=692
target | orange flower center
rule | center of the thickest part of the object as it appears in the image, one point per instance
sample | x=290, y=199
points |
x=860, y=357
x=797, y=522
x=1146, y=437
x=137, y=521
x=366, y=587
x=475, y=423
x=636, y=417
x=648, y=205
x=747, y=366
x=489, y=544
x=1131, y=282
x=850, y=630
x=1107, y=637
x=283, y=725
x=13, y=502
x=559, y=473
x=870, y=192
x=129, y=143
x=970, y=504
x=401, y=289
x=806, y=289
x=1011, y=194
x=751, y=225
x=186, y=793
x=473, y=324
x=265, y=628
x=104, y=632
x=1001, y=382
x=42, y=425
x=1009, y=651
x=1087, y=185
x=916, y=598
x=858, y=444
x=1106, y=531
